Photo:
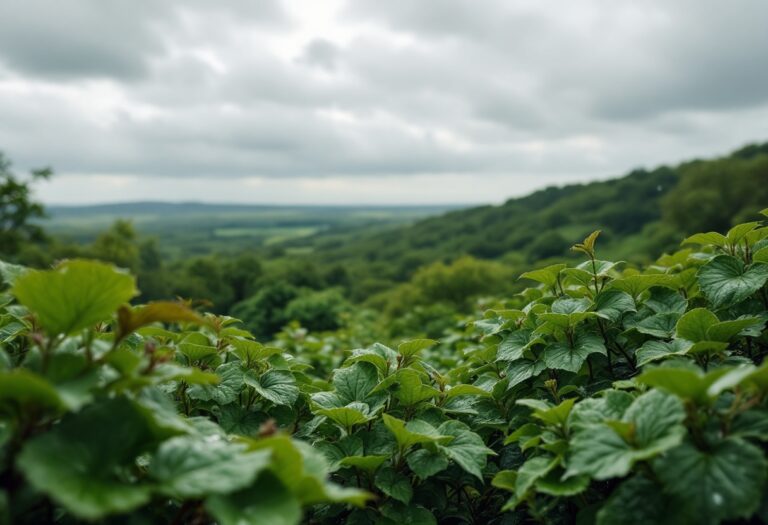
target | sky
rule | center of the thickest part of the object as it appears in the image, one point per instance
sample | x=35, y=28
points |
x=371, y=101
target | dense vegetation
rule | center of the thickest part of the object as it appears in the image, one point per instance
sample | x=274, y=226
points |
x=604, y=393
x=417, y=277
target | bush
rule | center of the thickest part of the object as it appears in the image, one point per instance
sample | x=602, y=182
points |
x=599, y=395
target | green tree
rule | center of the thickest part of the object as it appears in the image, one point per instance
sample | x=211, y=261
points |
x=18, y=210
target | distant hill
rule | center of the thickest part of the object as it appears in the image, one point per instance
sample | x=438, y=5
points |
x=191, y=228
x=644, y=211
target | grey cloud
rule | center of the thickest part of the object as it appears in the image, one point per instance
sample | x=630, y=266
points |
x=200, y=89
x=109, y=38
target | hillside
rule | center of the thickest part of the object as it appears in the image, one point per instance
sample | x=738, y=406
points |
x=643, y=212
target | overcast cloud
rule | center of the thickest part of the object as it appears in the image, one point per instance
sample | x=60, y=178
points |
x=371, y=101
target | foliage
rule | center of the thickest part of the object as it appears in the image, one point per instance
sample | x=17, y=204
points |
x=604, y=394
x=18, y=210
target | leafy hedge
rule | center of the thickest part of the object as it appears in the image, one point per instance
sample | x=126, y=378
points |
x=599, y=395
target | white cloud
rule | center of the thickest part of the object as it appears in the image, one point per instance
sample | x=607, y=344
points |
x=370, y=101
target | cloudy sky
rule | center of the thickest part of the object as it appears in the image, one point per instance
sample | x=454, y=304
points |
x=371, y=101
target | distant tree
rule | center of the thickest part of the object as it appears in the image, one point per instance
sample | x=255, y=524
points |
x=119, y=245
x=18, y=210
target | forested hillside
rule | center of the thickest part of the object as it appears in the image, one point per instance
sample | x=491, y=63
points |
x=416, y=274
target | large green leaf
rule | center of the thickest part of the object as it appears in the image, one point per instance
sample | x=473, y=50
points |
x=411, y=390
x=685, y=382
x=613, y=304
x=226, y=391
x=726, y=281
x=266, y=501
x=277, y=386
x=694, y=325
x=724, y=482
x=80, y=462
x=523, y=369
x=425, y=463
x=394, y=484
x=565, y=356
x=466, y=448
x=656, y=350
x=74, y=295
x=637, y=501
x=547, y=276
x=653, y=424
x=413, y=432
x=190, y=467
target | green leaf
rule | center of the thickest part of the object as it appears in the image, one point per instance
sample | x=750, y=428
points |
x=655, y=350
x=554, y=484
x=634, y=285
x=513, y=346
x=613, y=304
x=531, y=471
x=79, y=462
x=687, y=383
x=666, y=301
x=413, y=432
x=547, y=276
x=355, y=383
x=348, y=416
x=738, y=232
x=266, y=501
x=726, y=281
x=522, y=370
x=723, y=483
x=726, y=330
x=251, y=352
x=465, y=390
x=694, y=325
x=466, y=448
x=26, y=389
x=425, y=463
x=400, y=514
x=394, y=484
x=365, y=463
x=658, y=325
x=563, y=356
x=637, y=501
x=706, y=239
x=75, y=295
x=613, y=405
x=189, y=467
x=277, y=386
x=411, y=390
x=411, y=348
x=226, y=391
x=655, y=420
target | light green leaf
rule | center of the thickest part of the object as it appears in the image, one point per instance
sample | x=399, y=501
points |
x=348, y=416
x=687, y=383
x=411, y=348
x=726, y=281
x=365, y=463
x=411, y=390
x=75, y=295
x=706, y=239
x=547, y=276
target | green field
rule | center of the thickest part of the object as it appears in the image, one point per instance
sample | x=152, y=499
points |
x=195, y=228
